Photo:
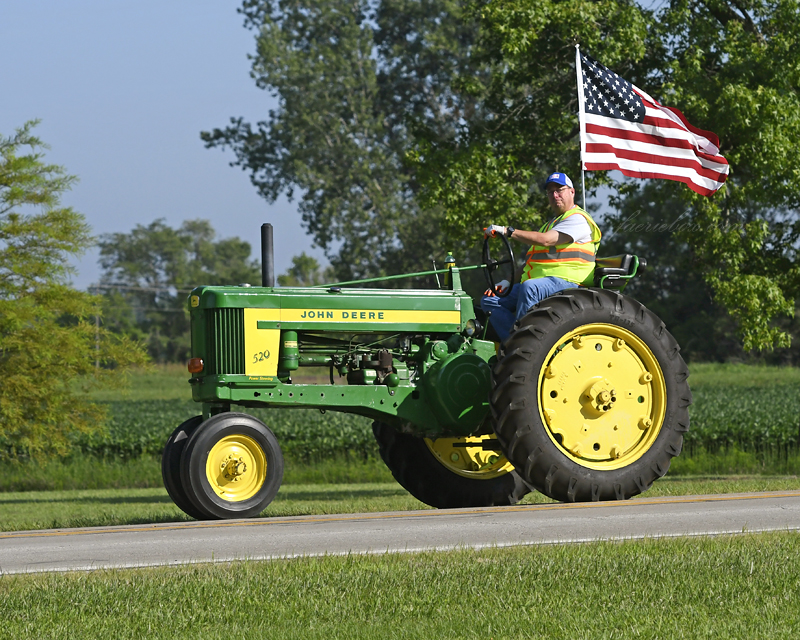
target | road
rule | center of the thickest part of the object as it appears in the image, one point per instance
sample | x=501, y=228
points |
x=270, y=538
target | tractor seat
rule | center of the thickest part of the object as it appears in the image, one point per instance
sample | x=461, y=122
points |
x=613, y=272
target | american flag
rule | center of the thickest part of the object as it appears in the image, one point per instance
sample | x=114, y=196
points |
x=623, y=128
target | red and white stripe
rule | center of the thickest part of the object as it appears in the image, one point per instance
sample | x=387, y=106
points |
x=664, y=146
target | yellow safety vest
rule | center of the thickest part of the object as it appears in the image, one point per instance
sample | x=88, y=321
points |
x=573, y=261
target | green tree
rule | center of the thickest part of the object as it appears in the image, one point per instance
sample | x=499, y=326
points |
x=729, y=65
x=672, y=285
x=305, y=272
x=406, y=127
x=348, y=75
x=732, y=67
x=525, y=123
x=148, y=273
x=48, y=337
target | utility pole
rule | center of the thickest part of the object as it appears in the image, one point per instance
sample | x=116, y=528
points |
x=96, y=290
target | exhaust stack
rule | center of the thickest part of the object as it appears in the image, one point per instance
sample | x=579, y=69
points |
x=267, y=256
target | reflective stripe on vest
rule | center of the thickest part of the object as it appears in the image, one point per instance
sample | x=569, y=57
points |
x=572, y=261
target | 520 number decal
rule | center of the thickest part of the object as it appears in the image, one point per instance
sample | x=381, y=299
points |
x=260, y=356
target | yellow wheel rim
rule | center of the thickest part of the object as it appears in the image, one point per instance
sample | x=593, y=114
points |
x=602, y=396
x=467, y=457
x=236, y=468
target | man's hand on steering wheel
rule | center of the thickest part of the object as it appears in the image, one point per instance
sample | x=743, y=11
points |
x=494, y=231
x=503, y=288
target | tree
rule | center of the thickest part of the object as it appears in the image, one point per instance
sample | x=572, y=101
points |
x=524, y=125
x=148, y=273
x=729, y=65
x=305, y=272
x=48, y=337
x=348, y=74
x=733, y=67
x=672, y=286
x=406, y=127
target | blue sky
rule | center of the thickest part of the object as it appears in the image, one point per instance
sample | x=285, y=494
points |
x=123, y=89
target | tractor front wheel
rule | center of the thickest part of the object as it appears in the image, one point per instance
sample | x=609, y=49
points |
x=449, y=473
x=232, y=466
x=590, y=398
x=171, y=467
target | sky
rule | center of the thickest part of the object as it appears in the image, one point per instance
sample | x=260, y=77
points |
x=123, y=89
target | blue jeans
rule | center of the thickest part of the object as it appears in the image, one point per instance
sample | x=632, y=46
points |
x=523, y=297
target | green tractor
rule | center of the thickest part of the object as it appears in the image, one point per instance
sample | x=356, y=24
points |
x=586, y=400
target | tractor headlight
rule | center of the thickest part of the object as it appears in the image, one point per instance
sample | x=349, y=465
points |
x=195, y=365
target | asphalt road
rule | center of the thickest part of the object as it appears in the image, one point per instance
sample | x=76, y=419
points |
x=269, y=538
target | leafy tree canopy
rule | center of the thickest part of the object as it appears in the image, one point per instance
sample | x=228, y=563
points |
x=348, y=75
x=406, y=126
x=729, y=66
x=148, y=273
x=305, y=272
x=733, y=68
x=48, y=337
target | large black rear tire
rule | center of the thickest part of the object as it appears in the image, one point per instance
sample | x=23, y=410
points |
x=590, y=399
x=423, y=467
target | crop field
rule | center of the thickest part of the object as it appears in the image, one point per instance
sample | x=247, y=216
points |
x=141, y=427
x=747, y=408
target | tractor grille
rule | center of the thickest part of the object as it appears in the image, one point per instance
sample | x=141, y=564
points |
x=225, y=335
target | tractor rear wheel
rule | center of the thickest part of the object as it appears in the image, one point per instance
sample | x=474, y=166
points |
x=232, y=466
x=448, y=473
x=590, y=399
x=171, y=467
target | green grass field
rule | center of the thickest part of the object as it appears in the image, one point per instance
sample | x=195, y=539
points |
x=738, y=587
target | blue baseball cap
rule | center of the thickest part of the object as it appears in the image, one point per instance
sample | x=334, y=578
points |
x=559, y=178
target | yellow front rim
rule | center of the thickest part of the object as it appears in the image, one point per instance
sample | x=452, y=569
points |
x=467, y=456
x=236, y=468
x=602, y=396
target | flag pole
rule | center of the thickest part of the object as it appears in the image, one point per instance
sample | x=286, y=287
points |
x=581, y=118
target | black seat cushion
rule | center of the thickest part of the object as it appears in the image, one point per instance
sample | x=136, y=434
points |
x=620, y=264
x=613, y=268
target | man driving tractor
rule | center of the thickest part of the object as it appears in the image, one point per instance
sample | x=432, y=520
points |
x=562, y=256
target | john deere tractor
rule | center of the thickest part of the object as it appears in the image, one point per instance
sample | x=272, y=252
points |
x=586, y=400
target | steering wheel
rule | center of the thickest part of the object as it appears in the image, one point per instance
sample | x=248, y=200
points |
x=490, y=266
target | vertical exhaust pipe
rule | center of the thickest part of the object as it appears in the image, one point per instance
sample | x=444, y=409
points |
x=267, y=256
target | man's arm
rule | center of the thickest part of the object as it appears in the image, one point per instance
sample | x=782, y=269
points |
x=547, y=239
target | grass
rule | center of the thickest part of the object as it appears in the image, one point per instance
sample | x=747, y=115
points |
x=157, y=382
x=170, y=381
x=742, y=375
x=87, y=472
x=727, y=587
x=732, y=587
x=107, y=507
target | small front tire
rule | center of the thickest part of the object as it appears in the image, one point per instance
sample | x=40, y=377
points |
x=232, y=466
x=171, y=467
